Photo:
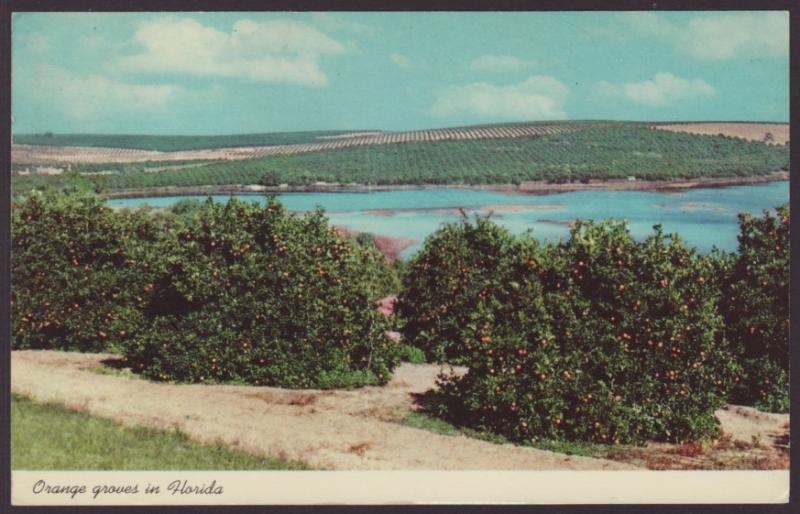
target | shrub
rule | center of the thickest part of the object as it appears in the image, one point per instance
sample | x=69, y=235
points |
x=77, y=271
x=756, y=308
x=452, y=285
x=600, y=338
x=381, y=276
x=641, y=319
x=257, y=295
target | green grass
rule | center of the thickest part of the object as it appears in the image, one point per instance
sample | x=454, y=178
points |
x=50, y=437
x=412, y=354
x=115, y=371
x=433, y=424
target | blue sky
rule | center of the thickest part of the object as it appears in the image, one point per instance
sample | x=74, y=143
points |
x=238, y=72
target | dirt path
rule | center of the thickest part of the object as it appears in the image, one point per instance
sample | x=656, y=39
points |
x=353, y=430
x=748, y=425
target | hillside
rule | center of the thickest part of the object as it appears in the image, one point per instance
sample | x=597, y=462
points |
x=93, y=149
x=559, y=152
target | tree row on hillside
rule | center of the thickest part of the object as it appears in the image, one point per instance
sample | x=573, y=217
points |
x=597, y=153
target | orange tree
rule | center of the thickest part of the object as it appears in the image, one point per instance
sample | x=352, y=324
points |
x=453, y=288
x=77, y=271
x=756, y=308
x=641, y=320
x=598, y=339
x=254, y=294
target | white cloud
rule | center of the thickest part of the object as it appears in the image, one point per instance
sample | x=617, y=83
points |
x=334, y=23
x=539, y=97
x=500, y=64
x=84, y=97
x=721, y=36
x=402, y=61
x=283, y=51
x=662, y=90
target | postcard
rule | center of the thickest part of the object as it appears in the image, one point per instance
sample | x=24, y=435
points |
x=400, y=257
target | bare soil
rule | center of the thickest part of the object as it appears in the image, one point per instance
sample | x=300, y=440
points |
x=339, y=429
x=391, y=247
x=749, y=131
x=545, y=188
x=356, y=429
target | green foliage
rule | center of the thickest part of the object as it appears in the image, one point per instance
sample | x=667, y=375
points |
x=23, y=184
x=187, y=207
x=604, y=150
x=77, y=273
x=641, y=319
x=412, y=354
x=381, y=276
x=756, y=309
x=232, y=292
x=254, y=294
x=82, y=442
x=599, y=339
x=454, y=288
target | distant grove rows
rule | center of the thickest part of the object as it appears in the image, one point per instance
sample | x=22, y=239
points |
x=80, y=148
x=598, y=151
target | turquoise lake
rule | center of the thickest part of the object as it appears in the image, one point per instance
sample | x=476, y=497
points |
x=703, y=217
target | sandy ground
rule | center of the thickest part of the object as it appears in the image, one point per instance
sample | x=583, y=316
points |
x=544, y=188
x=353, y=430
x=358, y=429
x=750, y=131
x=746, y=423
x=391, y=247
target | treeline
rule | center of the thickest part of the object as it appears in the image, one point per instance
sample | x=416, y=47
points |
x=233, y=292
x=601, y=338
x=603, y=152
x=598, y=338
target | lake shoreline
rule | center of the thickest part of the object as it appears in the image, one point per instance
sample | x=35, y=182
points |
x=531, y=188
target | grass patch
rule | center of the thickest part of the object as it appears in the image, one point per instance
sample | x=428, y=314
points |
x=429, y=423
x=433, y=424
x=51, y=437
x=598, y=451
x=115, y=368
x=412, y=354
